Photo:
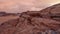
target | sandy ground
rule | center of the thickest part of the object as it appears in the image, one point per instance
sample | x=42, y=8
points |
x=7, y=18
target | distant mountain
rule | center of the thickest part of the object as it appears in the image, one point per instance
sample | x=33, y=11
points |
x=7, y=14
x=46, y=21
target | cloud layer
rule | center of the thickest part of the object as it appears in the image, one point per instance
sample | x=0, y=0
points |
x=24, y=5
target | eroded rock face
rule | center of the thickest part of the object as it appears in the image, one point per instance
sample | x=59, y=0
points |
x=34, y=22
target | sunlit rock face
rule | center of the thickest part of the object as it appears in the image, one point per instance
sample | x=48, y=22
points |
x=24, y=5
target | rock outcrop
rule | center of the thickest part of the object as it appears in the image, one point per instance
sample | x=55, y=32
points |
x=46, y=21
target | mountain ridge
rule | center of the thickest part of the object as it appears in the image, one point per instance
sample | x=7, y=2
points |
x=34, y=22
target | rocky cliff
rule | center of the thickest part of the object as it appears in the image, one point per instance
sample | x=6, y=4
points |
x=46, y=21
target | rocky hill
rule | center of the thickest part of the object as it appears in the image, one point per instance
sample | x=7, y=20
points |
x=46, y=21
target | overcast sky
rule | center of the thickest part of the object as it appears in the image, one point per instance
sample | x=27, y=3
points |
x=24, y=5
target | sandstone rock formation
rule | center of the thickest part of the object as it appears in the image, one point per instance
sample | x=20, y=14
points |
x=46, y=21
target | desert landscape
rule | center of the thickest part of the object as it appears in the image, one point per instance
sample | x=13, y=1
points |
x=45, y=21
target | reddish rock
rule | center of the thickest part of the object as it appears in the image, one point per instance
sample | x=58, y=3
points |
x=34, y=22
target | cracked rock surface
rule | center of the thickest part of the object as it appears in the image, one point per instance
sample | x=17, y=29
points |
x=46, y=21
